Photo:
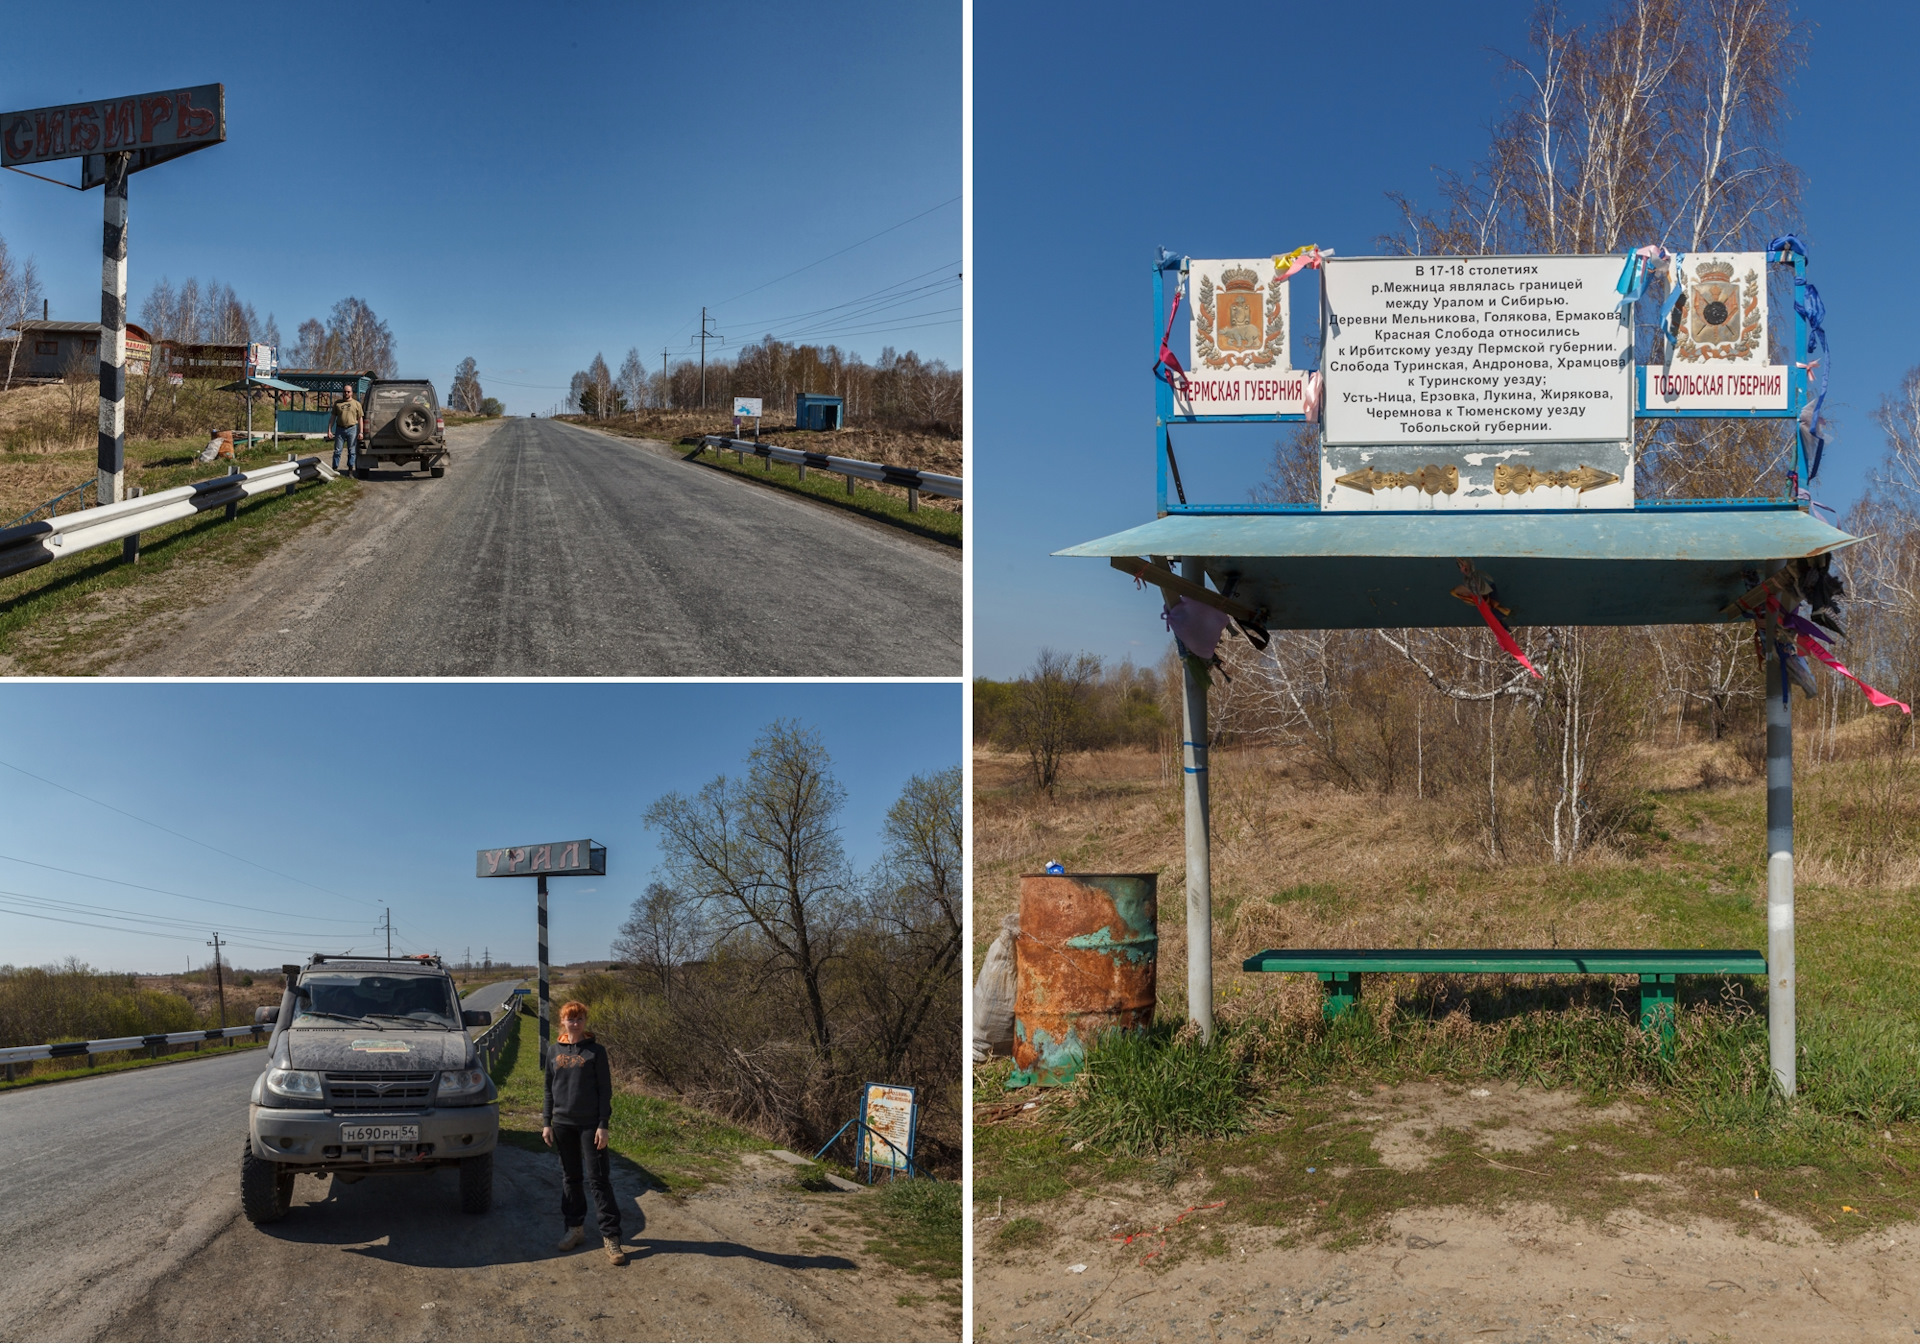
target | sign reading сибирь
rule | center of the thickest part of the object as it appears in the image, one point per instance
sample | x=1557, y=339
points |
x=1476, y=350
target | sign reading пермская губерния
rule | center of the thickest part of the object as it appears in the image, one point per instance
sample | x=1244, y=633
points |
x=1476, y=350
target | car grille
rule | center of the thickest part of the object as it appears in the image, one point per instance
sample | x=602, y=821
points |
x=380, y=1091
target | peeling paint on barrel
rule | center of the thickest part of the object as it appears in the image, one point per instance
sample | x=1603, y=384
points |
x=1084, y=965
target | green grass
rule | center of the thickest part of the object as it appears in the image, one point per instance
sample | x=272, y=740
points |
x=935, y=524
x=53, y=617
x=677, y=1148
x=916, y=1225
x=1141, y=1094
x=122, y=1065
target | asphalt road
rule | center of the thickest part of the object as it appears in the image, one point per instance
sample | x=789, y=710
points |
x=104, y=1185
x=553, y=550
x=120, y=1218
x=490, y=996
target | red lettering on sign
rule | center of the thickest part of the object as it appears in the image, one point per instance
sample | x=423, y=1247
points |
x=493, y=860
x=119, y=124
x=48, y=134
x=83, y=128
x=193, y=120
x=542, y=858
x=19, y=139
x=570, y=856
x=153, y=110
x=515, y=857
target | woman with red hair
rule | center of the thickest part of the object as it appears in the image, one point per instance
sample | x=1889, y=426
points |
x=579, y=1107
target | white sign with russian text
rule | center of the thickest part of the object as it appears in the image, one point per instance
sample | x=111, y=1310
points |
x=1486, y=350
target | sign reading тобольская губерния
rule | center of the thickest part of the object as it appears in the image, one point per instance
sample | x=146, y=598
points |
x=1476, y=350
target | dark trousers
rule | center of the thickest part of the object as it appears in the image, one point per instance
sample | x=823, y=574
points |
x=577, y=1152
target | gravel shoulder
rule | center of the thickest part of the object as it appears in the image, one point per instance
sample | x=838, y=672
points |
x=392, y=1258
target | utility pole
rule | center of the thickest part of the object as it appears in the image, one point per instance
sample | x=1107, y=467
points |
x=666, y=379
x=219, y=980
x=704, y=333
x=388, y=925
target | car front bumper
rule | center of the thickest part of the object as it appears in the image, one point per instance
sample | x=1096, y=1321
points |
x=316, y=1138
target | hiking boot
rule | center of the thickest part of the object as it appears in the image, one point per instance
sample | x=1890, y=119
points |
x=575, y=1235
x=614, y=1253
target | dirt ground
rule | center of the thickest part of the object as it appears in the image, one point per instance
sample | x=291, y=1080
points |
x=1641, y=1261
x=392, y=1258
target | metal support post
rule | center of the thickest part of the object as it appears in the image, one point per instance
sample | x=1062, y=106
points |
x=112, y=457
x=1193, y=757
x=849, y=483
x=233, y=511
x=290, y=457
x=913, y=500
x=130, y=546
x=1780, y=1032
x=544, y=1027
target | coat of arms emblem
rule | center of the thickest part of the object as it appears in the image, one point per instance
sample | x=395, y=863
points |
x=1721, y=318
x=1237, y=324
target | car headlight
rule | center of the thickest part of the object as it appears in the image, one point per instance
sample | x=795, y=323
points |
x=461, y=1082
x=293, y=1082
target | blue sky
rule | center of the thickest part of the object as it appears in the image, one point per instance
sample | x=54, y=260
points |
x=1101, y=132
x=527, y=185
x=361, y=796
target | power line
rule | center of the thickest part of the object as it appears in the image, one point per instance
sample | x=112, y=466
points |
x=8, y=898
x=183, y=836
x=161, y=891
x=875, y=294
x=831, y=255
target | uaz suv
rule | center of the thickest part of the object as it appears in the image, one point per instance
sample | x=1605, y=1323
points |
x=370, y=1070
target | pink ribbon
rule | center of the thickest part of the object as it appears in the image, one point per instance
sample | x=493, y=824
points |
x=1878, y=699
x=1500, y=633
x=1310, y=403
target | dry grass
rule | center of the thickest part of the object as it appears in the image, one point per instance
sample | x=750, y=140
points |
x=1298, y=863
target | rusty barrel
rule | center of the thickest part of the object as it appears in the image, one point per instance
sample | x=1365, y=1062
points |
x=1084, y=965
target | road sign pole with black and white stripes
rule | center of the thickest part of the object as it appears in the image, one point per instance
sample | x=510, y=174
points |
x=563, y=858
x=113, y=333
x=545, y=1021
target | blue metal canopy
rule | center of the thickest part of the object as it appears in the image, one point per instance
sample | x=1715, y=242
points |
x=1337, y=571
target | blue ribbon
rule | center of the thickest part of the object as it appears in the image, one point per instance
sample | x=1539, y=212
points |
x=1633, y=278
x=1814, y=311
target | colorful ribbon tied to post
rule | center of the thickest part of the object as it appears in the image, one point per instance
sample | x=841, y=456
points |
x=1167, y=368
x=1812, y=641
x=1478, y=593
x=1813, y=310
x=1306, y=258
x=1638, y=268
x=1196, y=625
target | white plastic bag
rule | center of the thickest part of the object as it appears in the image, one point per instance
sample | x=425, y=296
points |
x=993, y=996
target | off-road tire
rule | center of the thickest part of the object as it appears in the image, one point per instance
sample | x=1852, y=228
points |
x=362, y=473
x=476, y=1183
x=414, y=424
x=437, y=472
x=266, y=1192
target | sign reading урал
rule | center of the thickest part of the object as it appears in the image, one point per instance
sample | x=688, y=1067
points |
x=1486, y=350
x=560, y=858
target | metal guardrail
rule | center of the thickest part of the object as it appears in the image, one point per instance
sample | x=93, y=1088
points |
x=52, y=506
x=33, y=544
x=492, y=1042
x=909, y=478
x=23, y=1054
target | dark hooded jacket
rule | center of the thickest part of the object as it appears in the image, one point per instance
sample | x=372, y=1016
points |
x=579, y=1085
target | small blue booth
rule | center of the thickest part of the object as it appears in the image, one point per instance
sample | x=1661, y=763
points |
x=811, y=411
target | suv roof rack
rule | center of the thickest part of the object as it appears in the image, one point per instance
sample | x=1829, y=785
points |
x=417, y=959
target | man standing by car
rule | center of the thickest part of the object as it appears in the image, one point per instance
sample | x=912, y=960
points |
x=346, y=428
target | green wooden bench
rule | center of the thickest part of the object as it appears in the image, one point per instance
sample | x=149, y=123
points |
x=1340, y=969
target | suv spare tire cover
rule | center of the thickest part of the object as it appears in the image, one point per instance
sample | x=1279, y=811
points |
x=414, y=423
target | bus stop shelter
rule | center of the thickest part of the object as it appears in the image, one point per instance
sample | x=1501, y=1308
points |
x=1273, y=568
